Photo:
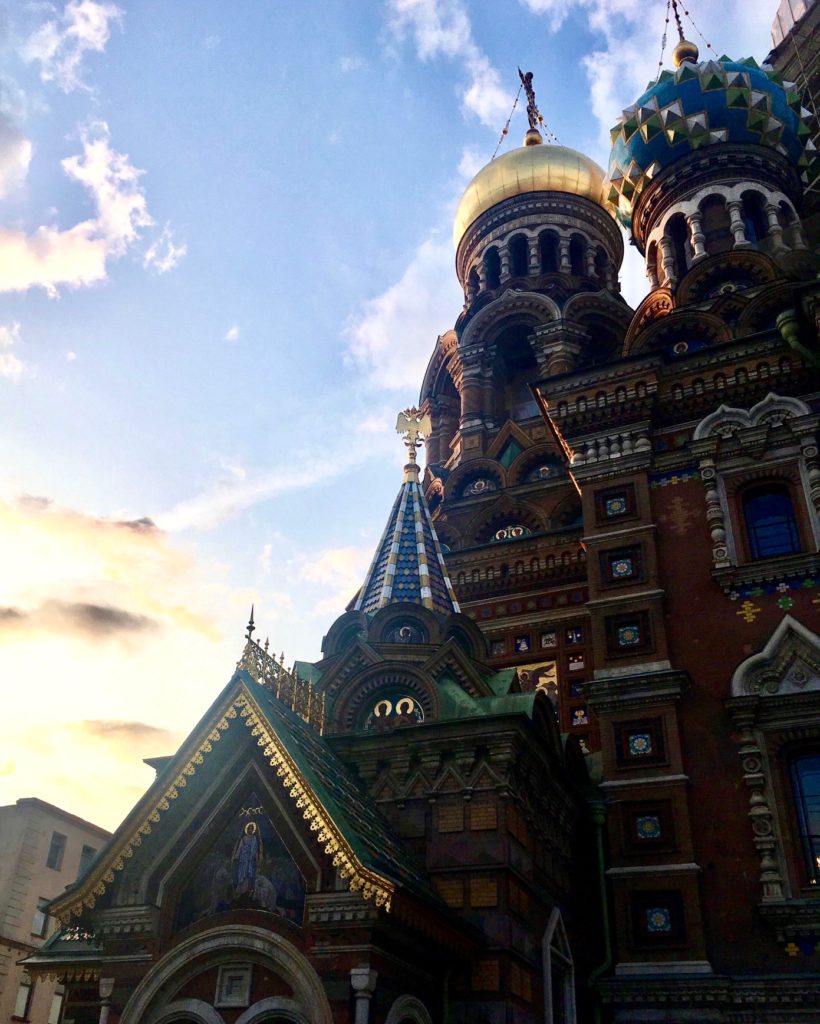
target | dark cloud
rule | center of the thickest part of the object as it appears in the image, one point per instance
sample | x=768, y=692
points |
x=144, y=525
x=97, y=620
x=111, y=729
x=34, y=502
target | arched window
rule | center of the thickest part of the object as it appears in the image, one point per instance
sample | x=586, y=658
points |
x=755, y=220
x=559, y=973
x=678, y=235
x=577, y=252
x=519, y=256
x=805, y=774
x=548, y=248
x=771, y=527
x=716, y=225
x=492, y=268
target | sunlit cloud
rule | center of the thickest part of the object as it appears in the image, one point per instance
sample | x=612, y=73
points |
x=60, y=45
x=79, y=255
x=339, y=572
x=442, y=28
x=163, y=254
x=232, y=333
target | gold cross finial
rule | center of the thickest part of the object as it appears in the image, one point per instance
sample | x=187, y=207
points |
x=413, y=424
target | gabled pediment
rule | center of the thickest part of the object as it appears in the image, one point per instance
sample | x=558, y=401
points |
x=788, y=664
x=249, y=725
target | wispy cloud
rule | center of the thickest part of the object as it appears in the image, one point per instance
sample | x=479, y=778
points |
x=60, y=45
x=11, y=366
x=77, y=256
x=232, y=333
x=393, y=335
x=442, y=28
x=351, y=63
x=15, y=154
x=339, y=571
x=163, y=254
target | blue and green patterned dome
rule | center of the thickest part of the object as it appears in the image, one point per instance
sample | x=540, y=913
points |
x=702, y=105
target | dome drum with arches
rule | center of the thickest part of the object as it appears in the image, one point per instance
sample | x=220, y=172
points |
x=701, y=105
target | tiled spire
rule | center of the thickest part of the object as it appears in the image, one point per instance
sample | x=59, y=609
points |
x=408, y=564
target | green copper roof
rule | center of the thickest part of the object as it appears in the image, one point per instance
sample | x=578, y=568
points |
x=408, y=564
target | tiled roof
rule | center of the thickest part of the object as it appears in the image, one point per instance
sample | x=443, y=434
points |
x=408, y=564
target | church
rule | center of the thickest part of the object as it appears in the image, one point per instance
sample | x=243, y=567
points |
x=560, y=759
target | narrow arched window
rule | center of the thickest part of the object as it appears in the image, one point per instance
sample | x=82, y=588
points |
x=771, y=527
x=805, y=773
x=492, y=268
x=548, y=248
x=519, y=256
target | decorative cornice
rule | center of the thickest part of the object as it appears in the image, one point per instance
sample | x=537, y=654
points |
x=327, y=834
x=639, y=690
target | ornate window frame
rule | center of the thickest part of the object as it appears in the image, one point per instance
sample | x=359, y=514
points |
x=775, y=707
x=776, y=439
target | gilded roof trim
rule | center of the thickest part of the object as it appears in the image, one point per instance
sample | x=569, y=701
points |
x=328, y=835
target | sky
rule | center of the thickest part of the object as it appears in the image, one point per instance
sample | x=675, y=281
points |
x=225, y=257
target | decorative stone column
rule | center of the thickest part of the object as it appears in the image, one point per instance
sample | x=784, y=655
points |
x=775, y=228
x=470, y=388
x=482, y=276
x=470, y=291
x=652, y=272
x=751, y=757
x=106, y=990
x=668, y=262
x=590, y=262
x=715, y=517
x=564, y=264
x=504, y=258
x=738, y=228
x=534, y=255
x=696, y=235
x=363, y=982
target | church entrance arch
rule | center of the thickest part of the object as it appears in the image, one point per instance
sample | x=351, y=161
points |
x=156, y=1001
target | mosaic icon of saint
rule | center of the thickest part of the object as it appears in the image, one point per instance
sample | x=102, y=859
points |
x=247, y=856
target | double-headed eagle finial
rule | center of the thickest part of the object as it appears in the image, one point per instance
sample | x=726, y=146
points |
x=413, y=425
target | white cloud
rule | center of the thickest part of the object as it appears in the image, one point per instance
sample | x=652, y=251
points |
x=59, y=46
x=441, y=28
x=79, y=255
x=348, y=64
x=163, y=254
x=339, y=572
x=11, y=367
x=239, y=489
x=393, y=336
x=232, y=333
x=70, y=357
x=15, y=155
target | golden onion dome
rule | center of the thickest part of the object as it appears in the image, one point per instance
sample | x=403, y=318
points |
x=531, y=168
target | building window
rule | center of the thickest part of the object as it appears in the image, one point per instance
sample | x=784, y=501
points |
x=559, y=974
x=770, y=523
x=805, y=772
x=56, y=851
x=233, y=987
x=86, y=856
x=23, y=1001
x=56, y=1011
x=40, y=921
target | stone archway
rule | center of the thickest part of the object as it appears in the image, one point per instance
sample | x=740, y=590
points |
x=212, y=948
x=408, y=1010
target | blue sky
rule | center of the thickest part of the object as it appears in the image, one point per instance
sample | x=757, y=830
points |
x=225, y=255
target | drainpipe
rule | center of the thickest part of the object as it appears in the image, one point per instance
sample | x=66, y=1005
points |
x=598, y=809
x=446, y=1014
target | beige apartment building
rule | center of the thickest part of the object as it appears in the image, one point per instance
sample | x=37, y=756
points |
x=42, y=850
